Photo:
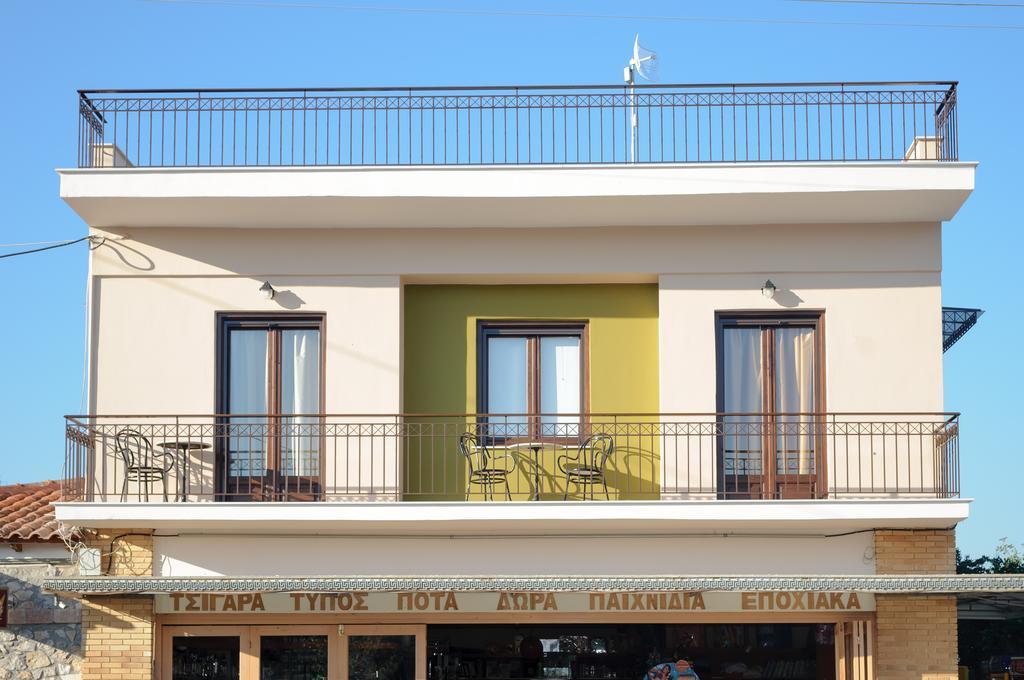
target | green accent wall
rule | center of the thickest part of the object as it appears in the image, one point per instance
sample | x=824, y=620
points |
x=440, y=335
x=440, y=340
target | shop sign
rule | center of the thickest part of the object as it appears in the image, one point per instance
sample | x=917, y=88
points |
x=800, y=600
x=443, y=602
x=3, y=607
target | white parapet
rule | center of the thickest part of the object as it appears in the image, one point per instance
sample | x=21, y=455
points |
x=924, y=149
x=109, y=156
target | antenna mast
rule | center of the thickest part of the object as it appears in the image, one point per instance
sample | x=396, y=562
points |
x=642, y=63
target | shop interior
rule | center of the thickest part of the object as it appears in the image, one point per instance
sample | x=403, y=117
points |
x=629, y=651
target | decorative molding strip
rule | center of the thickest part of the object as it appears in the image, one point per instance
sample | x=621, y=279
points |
x=952, y=583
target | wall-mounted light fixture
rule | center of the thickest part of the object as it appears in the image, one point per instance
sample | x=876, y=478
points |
x=768, y=289
x=267, y=291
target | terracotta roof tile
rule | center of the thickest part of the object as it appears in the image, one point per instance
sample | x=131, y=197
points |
x=26, y=511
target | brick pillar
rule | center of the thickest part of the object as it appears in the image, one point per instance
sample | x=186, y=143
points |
x=117, y=631
x=915, y=552
x=916, y=633
x=117, y=637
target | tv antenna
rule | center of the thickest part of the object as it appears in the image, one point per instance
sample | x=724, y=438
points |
x=643, y=63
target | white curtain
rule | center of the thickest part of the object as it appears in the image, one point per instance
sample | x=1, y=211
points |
x=247, y=393
x=508, y=385
x=300, y=394
x=560, y=386
x=795, y=394
x=743, y=389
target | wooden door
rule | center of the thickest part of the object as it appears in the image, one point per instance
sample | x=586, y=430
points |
x=770, y=407
x=283, y=652
x=206, y=653
x=271, y=398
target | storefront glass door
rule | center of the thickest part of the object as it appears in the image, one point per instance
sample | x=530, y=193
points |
x=294, y=652
x=384, y=652
x=206, y=653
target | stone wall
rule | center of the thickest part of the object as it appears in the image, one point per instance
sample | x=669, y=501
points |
x=42, y=639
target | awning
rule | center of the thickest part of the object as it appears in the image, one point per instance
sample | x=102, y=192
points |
x=956, y=321
x=991, y=606
x=983, y=585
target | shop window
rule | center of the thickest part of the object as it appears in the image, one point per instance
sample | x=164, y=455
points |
x=293, y=657
x=629, y=651
x=382, y=657
x=207, y=657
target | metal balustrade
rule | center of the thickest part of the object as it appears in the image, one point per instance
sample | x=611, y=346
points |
x=407, y=457
x=519, y=125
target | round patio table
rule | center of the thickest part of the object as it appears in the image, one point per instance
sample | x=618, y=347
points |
x=186, y=448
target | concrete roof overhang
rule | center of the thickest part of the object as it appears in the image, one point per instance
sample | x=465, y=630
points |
x=518, y=196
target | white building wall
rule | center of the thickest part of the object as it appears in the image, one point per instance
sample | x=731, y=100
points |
x=236, y=555
x=882, y=330
x=156, y=292
x=156, y=338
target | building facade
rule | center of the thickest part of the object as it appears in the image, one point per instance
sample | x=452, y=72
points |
x=517, y=383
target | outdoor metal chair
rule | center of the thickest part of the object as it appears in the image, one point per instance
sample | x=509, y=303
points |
x=141, y=463
x=486, y=469
x=587, y=466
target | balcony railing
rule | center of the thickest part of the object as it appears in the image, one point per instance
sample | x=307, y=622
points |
x=526, y=125
x=339, y=458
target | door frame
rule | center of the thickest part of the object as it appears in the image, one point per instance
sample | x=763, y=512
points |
x=769, y=477
x=249, y=636
x=334, y=671
x=533, y=331
x=313, y=486
x=418, y=630
x=857, y=662
x=248, y=667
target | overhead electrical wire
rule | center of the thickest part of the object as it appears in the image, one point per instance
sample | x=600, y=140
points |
x=277, y=4
x=30, y=243
x=922, y=3
x=53, y=244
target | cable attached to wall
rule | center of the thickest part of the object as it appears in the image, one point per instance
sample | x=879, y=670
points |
x=95, y=242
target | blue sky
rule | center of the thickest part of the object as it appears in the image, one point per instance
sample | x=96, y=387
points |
x=50, y=49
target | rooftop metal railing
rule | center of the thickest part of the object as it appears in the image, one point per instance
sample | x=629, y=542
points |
x=340, y=458
x=521, y=125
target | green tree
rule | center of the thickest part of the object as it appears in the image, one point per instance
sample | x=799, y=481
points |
x=1009, y=559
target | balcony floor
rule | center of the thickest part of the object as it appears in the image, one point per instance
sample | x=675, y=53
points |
x=811, y=517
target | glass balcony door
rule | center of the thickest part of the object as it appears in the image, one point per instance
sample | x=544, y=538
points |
x=271, y=396
x=532, y=379
x=770, y=405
